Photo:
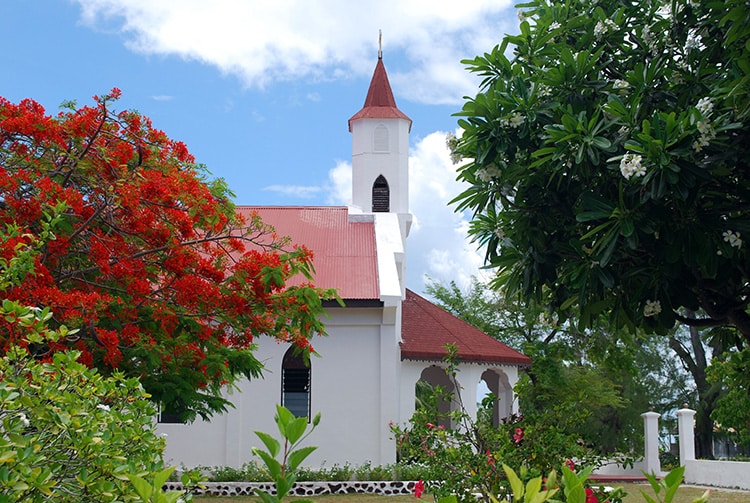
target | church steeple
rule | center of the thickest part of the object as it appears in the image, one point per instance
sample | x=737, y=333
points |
x=379, y=103
x=380, y=151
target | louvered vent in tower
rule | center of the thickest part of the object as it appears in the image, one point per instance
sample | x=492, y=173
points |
x=381, y=195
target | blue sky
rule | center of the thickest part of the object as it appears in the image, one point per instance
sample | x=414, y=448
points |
x=261, y=91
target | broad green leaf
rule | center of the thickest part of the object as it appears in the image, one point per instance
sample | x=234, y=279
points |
x=515, y=482
x=295, y=429
x=161, y=478
x=296, y=457
x=271, y=443
x=272, y=465
x=532, y=489
x=143, y=488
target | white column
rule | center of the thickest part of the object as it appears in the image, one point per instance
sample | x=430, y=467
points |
x=651, y=441
x=686, y=432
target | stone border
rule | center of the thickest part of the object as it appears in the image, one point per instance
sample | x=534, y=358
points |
x=305, y=489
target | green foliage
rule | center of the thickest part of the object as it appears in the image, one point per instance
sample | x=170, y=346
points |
x=69, y=433
x=732, y=411
x=152, y=492
x=466, y=457
x=283, y=472
x=665, y=489
x=532, y=492
x=606, y=158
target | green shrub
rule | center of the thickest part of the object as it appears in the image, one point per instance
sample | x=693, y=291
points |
x=70, y=434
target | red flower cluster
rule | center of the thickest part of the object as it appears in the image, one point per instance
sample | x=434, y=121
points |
x=418, y=489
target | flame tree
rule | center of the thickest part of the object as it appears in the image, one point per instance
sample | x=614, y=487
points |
x=143, y=255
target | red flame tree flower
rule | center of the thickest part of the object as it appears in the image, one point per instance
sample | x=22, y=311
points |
x=147, y=257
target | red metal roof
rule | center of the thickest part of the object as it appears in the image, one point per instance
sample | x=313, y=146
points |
x=379, y=103
x=427, y=328
x=344, y=252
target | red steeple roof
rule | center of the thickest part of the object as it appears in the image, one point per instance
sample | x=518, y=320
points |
x=427, y=328
x=380, y=103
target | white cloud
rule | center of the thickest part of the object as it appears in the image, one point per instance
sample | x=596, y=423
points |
x=263, y=42
x=438, y=246
x=340, y=189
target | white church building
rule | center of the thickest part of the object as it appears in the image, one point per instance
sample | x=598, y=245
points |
x=379, y=345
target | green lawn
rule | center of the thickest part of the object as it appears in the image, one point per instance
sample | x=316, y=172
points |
x=684, y=495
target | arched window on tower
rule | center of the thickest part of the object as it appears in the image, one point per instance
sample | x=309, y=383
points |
x=381, y=195
x=295, y=383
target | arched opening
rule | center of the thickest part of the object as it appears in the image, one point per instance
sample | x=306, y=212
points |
x=381, y=195
x=295, y=383
x=434, y=393
x=497, y=383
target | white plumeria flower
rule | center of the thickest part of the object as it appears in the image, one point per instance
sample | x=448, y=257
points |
x=516, y=119
x=620, y=84
x=602, y=27
x=693, y=42
x=630, y=165
x=652, y=308
x=487, y=173
x=599, y=30
x=733, y=238
x=452, y=143
x=707, y=132
x=704, y=106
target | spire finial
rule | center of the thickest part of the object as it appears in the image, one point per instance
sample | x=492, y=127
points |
x=380, y=44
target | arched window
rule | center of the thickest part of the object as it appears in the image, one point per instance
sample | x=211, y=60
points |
x=381, y=195
x=295, y=383
x=497, y=383
x=437, y=405
x=380, y=142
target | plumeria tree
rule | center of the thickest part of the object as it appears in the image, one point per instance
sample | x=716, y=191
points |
x=138, y=252
x=607, y=159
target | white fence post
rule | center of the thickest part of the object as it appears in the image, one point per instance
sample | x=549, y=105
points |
x=651, y=441
x=685, y=430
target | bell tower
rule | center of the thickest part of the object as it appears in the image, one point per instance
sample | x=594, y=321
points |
x=380, y=152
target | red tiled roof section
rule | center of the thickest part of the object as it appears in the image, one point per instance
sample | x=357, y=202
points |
x=379, y=103
x=344, y=252
x=427, y=328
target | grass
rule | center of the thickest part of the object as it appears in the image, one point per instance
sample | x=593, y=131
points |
x=684, y=495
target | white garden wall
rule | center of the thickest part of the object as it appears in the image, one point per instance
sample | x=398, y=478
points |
x=718, y=473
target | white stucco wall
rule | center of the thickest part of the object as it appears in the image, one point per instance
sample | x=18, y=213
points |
x=368, y=163
x=346, y=389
